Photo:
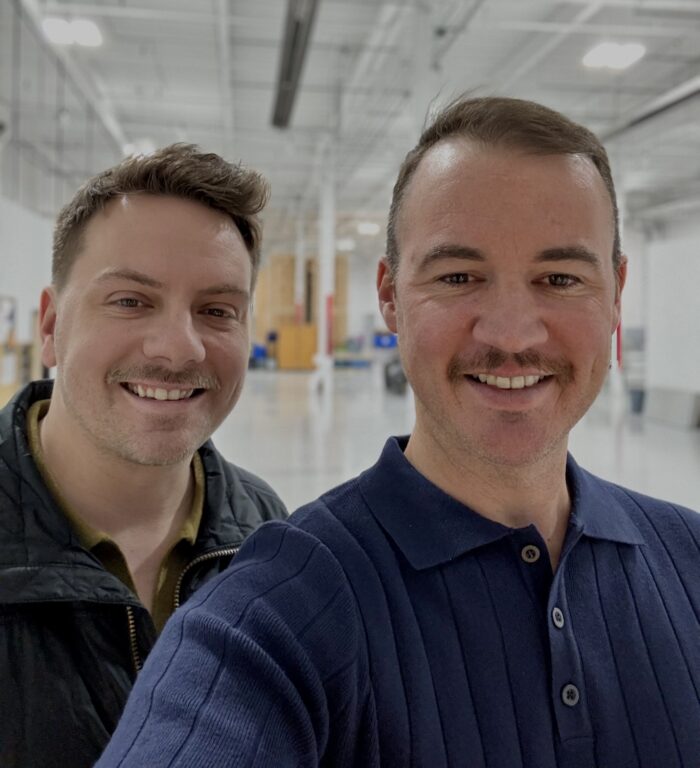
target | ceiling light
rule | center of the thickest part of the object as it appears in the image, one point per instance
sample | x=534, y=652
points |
x=57, y=31
x=368, y=228
x=614, y=55
x=86, y=32
x=345, y=244
x=64, y=32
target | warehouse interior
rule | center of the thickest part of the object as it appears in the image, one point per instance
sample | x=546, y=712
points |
x=325, y=97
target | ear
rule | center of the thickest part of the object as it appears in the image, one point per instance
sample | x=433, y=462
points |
x=620, y=278
x=387, y=295
x=47, y=326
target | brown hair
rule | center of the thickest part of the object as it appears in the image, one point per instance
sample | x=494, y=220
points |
x=504, y=122
x=180, y=170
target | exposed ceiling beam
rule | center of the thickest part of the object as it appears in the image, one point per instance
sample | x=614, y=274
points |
x=673, y=98
x=205, y=17
x=616, y=30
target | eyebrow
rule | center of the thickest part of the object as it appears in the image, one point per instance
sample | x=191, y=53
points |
x=448, y=251
x=570, y=253
x=466, y=252
x=135, y=276
x=129, y=274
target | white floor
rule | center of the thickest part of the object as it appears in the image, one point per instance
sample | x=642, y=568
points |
x=303, y=443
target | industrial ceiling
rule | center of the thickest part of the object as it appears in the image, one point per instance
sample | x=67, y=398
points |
x=344, y=79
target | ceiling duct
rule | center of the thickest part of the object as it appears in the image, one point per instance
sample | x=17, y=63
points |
x=297, y=32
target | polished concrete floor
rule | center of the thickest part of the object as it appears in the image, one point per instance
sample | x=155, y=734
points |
x=304, y=443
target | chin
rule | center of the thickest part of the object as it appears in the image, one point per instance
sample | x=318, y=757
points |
x=157, y=456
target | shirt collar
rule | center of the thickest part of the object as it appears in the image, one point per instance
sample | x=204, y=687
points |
x=594, y=509
x=431, y=528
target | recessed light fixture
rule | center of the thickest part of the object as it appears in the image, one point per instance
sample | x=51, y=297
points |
x=368, y=228
x=614, y=55
x=78, y=31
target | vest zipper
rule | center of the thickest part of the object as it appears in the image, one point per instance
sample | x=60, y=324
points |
x=206, y=556
x=133, y=642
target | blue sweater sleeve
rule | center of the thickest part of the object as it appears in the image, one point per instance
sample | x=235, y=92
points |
x=253, y=668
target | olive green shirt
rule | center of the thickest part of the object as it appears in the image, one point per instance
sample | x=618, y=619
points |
x=105, y=549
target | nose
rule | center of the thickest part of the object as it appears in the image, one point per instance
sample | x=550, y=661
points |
x=510, y=319
x=174, y=339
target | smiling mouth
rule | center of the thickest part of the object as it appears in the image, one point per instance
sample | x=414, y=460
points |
x=508, y=382
x=160, y=393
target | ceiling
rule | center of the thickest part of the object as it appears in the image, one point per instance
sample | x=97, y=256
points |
x=206, y=72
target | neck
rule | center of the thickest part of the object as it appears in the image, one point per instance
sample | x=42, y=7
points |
x=516, y=496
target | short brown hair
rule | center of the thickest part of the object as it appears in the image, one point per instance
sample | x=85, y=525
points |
x=180, y=170
x=500, y=121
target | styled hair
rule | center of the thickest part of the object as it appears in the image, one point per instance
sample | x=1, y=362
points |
x=180, y=170
x=506, y=122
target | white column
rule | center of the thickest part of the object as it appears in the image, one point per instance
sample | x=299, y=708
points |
x=299, y=257
x=326, y=267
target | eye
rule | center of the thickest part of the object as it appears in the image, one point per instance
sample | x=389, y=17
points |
x=129, y=302
x=457, y=278
x=220, y=313
x=562, y=281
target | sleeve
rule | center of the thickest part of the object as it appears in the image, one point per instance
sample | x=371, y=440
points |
x=242, y=672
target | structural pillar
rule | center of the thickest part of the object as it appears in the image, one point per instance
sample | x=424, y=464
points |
x=299, y=258
x=326, y=268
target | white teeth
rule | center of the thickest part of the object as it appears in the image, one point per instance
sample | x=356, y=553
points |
x=159, y=393
x=504, y=382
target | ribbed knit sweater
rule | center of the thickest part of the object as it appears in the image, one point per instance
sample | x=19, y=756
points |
x=386, y=624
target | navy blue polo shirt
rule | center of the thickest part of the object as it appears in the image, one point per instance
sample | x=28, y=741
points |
x=388, y=624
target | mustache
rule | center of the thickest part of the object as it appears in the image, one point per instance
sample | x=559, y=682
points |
x=492, y=358
x=156, y=373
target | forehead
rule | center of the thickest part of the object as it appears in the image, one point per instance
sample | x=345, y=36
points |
x=488, y=190
x=162, y=233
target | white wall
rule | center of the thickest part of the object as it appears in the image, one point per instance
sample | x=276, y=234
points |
x=673, y=335
x=635, y=295
x=25, y=261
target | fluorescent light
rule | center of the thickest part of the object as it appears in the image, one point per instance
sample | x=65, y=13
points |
x=368, y=228
x=64, y=32
x=57, y=31
x=86, y=32
x=345, y=244
x=614, y=55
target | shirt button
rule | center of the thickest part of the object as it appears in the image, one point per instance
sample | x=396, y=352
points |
x=530, y=553
x=570, y=695
x=558, y=617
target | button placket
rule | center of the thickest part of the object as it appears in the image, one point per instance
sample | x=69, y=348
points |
x=567, y=683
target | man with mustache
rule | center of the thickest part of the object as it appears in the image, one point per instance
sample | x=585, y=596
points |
x=114, y=504
x=475, y=598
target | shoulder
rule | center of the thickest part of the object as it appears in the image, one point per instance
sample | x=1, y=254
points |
x=662, y=524
x=284, y=583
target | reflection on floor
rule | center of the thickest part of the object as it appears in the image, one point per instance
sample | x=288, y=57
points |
x=303, y=443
